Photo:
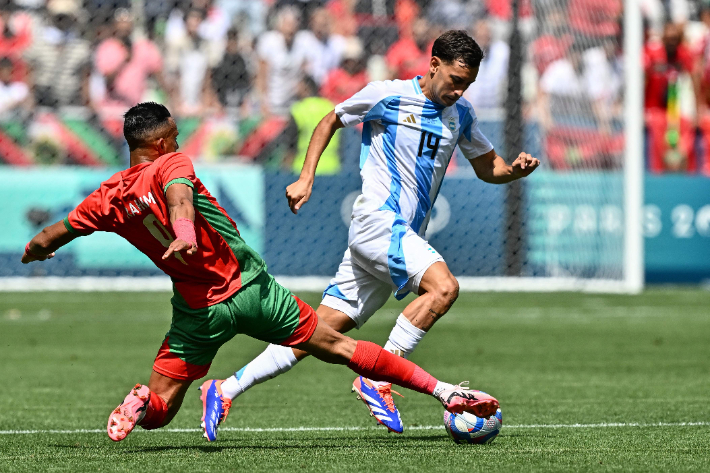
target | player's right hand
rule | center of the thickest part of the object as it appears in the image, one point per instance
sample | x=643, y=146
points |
x=298, y=194
x=29, y=258
x=180, y=245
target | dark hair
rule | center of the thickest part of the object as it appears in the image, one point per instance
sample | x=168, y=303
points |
x=457, y=45
x=6, y=62
x=141, y=120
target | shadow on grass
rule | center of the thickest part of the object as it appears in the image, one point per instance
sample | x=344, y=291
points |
x=274, y=444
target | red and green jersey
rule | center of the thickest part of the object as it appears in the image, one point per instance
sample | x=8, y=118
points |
x=132, y=204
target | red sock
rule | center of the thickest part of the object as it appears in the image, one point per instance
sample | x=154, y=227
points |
x=371, y=361
x=155, y=413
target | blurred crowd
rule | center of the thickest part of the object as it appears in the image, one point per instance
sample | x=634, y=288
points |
x=249, y=80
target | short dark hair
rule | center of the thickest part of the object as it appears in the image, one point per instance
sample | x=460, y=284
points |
x=457, y=45
x=141, y=120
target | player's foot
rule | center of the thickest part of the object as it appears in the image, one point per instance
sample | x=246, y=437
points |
x=460, y=399
x=125, y=417
x=378, y=398
x=215, y=407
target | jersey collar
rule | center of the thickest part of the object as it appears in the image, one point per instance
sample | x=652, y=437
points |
x=418, y=90
x=415, y=82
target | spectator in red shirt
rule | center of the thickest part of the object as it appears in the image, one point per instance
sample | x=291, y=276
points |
x=593, y=20
x=409, y=57
x=501, y=13
x=503, y=9
x=122, y=68
x=343, y=82
x=671, y=135
x=553, y=39
x=15, y=37
x=343, y=14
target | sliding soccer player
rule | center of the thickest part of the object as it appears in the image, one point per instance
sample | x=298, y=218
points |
x=410, y=131
x=221, y=287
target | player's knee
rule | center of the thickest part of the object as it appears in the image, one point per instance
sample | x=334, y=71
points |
x=448, y=291
x=338, y=320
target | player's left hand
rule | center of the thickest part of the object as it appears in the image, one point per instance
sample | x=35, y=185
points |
x=27, y=258
x=524, y=165
x=180, y=245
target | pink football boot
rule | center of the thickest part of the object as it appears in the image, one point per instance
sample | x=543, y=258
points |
x=125, y=417
x=462, y=399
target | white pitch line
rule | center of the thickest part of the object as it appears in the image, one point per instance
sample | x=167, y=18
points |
x=349, y=429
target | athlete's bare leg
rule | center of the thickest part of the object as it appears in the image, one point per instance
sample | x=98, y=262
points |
x=329, y=345
x=366, y=359
x=336, y=319
x=372, y=361
x=438, y=291
x=170, y=390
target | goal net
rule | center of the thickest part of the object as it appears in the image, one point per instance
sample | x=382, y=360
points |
x=248, y=81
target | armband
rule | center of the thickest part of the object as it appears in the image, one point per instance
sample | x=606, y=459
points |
x=185, y=230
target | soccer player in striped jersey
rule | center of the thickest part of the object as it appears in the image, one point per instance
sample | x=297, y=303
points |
x=410, y=131
x=221, y=287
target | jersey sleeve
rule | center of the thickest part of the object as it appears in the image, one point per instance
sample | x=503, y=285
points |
x=368, y=104
x=90, y=215
x=472, y=142
x=176, y=169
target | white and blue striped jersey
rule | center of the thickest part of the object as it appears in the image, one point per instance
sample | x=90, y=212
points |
x=407, y=143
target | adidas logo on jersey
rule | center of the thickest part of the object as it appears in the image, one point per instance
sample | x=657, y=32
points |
x=410, y=119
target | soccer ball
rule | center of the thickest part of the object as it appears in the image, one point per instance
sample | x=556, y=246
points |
x=467, y=428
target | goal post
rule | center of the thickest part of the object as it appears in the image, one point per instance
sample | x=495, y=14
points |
x=633, y=155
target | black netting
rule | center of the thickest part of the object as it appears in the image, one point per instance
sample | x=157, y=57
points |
x=247, y=81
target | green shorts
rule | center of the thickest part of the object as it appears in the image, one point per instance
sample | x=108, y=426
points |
x=263, y=309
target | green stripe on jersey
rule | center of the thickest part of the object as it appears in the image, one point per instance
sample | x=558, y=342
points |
x=179, y=180
x=251, y=264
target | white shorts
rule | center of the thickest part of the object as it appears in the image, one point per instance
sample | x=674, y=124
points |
x=384, y=255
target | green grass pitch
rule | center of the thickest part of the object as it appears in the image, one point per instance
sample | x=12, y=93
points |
x=616, y=366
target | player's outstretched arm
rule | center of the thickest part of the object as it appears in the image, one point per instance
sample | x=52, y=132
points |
x=46, y=242
x=299, y=192
x=182, y=219
x=491, y=168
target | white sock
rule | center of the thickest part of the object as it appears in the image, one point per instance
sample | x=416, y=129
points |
x=270, y=363
x=441, y=386
x=404, y=337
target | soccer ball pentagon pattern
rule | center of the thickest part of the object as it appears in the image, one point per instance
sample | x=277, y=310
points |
x=467, y=428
